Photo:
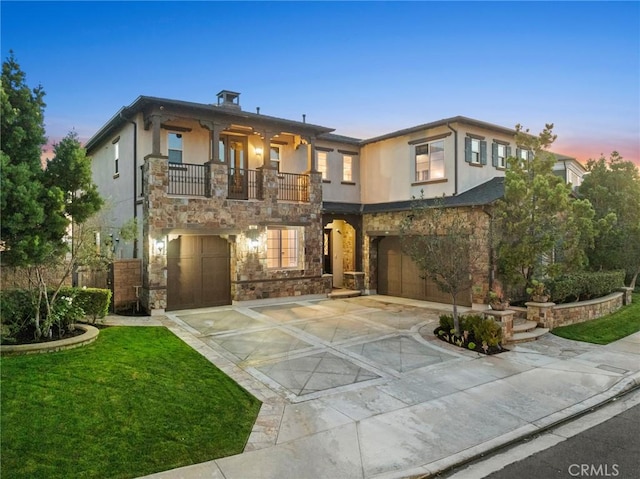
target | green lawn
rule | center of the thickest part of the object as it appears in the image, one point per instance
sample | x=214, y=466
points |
x=609, y=328
x=136, y=401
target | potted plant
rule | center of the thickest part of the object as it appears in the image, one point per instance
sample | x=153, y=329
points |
x=496, y=301
x=538, y=291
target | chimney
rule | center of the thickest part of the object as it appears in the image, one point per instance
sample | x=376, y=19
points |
x=229, y=99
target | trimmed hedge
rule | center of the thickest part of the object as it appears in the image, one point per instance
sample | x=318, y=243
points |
x=93, y=301
x=584, y=285
x=17, y=308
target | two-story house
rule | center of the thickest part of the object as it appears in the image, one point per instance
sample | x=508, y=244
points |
x=234, y=205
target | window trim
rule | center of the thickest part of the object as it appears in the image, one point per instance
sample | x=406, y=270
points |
x=299, y=248
x=345, y=177
x=430, y=178
x=495, y=158
x=180, y=136
x=468, y=153
x=325, y=171
x=116, y=158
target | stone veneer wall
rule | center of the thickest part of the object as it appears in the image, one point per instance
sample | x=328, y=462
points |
x=348, y=247
x=550, y=315
x=390, y=221
x=217, y=215
x=126, y=275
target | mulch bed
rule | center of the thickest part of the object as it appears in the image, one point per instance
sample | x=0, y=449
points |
x=28, y=337
x=464, y=343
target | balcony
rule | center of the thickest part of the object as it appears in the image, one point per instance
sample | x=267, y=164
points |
x=186, y=179
x=189, y=180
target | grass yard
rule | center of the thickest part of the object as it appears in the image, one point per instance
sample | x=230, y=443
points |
x=607, y=329
x=136, y=401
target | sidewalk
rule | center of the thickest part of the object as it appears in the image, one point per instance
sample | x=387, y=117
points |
x=413, y=422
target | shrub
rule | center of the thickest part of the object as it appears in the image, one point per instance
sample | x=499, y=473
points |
x=469, y=322
x=446, y=321
x=585, y=285
x=16, y=310
x=488, y=331
x=93, y=301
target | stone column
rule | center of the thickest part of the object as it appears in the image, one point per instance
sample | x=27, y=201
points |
x=626, y=295
x=154, y=265
x=541, y=313
x=506, y=321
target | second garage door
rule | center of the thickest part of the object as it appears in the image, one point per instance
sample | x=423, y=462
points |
x=399, y=276
x=198, y=272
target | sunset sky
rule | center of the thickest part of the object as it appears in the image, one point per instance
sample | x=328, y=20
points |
x=363, y=68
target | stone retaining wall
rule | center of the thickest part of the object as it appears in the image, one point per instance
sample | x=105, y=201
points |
x=551, y=315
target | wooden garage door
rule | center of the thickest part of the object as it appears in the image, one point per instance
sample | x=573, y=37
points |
x=198, y=272
x=399, y=276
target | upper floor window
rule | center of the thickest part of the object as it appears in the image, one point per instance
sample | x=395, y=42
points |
x=429, y=161
x=524, y=155
x=116, y=157
x=499, y=154
x=283, y=247
x=475, y=151
x=175, y=147
x=275, y=156
x=322, y=164
x=347, y=172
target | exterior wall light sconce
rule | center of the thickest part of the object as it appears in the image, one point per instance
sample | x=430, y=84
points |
x=159, y=244
x=258, y=151
x=253, y=235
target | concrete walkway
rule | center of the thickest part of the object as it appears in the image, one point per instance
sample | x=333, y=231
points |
x=360, y=387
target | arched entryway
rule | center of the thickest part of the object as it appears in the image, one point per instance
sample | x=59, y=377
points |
x=340, y=246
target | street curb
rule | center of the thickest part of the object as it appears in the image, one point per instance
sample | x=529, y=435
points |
x=432, y=469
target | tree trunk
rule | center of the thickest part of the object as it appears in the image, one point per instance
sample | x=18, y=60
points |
x=632, y=285
x=456, y=319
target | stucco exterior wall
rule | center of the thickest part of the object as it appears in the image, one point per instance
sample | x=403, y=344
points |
x=334, y=188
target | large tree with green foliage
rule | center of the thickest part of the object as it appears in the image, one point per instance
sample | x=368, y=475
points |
x=38, y=205
x=538, y=221
x=445, y=245
x=613, y=188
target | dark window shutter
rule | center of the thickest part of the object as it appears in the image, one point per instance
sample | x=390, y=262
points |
x=467, y=149
x=529, y=155
x=508, y=152
x=494, y=154
x=519, y=154
x=483, y=152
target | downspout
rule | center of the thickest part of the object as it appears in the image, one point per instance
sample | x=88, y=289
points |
x=135, y=177
x=455, y=159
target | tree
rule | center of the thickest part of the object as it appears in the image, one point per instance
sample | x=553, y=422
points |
x=38, y=204
x=613, y=188
x=537, y=221
x=21, y=192
x=444, y=245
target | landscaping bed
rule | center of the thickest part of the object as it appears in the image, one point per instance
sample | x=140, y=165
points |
x=479, y=334
x=135, y=402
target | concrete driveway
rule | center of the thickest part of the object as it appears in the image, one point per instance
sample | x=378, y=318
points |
x=360, y=387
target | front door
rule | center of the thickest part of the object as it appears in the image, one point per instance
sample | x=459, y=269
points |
x=238, y=178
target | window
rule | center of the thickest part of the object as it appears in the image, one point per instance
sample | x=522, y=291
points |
x=283, y=247
x=275, y=156
x=175, y=147
x=116, y=158
x=475, y=151
x=524, y=155
x=499, y=154
x=429, y=161
x=346, y=168
x=322, y=164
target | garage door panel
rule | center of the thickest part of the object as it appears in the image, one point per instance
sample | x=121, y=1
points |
x=399, y=276
x=198, y=273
